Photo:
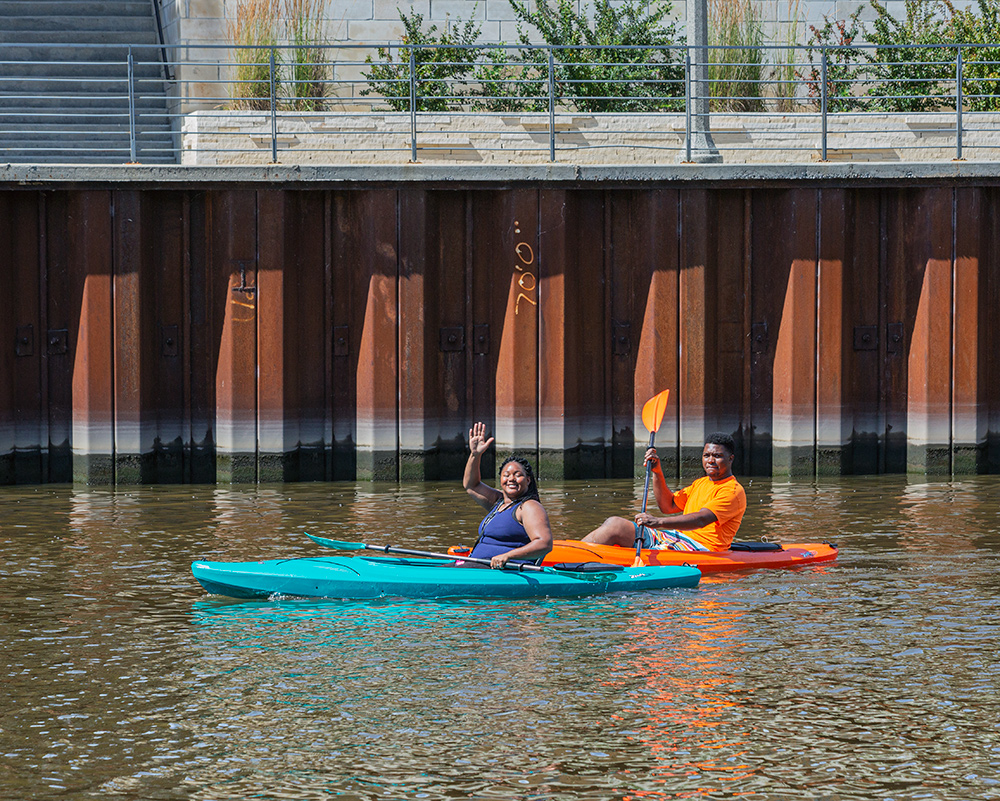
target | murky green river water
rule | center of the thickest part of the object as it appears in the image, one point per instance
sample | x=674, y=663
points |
x=875, y=677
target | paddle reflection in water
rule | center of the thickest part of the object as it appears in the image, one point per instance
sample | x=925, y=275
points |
x=684, y=661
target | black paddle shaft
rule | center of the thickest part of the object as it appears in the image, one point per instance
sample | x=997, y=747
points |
x=645, y=495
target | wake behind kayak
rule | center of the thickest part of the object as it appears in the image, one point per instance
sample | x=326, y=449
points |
x=362, y=578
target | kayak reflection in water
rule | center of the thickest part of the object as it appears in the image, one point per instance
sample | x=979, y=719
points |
x=702, y=517
x=517, y=527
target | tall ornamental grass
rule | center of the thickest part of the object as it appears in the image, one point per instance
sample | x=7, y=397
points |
x=253, y=32
x=784, y=73
x=308, y=71
x=736, y=55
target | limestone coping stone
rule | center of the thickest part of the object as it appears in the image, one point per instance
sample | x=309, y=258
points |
x=27, y=175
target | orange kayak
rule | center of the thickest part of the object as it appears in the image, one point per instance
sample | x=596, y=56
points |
x=745, y=556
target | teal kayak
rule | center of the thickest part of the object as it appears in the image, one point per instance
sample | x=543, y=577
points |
x=365, y=577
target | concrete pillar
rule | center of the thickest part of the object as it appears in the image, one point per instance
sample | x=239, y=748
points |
x=703, y=149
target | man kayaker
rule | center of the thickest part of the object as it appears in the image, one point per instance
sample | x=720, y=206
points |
x=704, y=516
x=517, y=527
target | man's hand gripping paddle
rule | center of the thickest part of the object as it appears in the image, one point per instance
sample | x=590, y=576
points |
x=652, y=416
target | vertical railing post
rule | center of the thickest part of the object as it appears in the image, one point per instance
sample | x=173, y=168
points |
x=823, y=102
x=274, y=108
x=413, y=105
x=132, y=155
x=687, y=105
x=959, y=99
x=552, y=106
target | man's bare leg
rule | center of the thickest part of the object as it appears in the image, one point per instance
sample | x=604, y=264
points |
x=613, y=531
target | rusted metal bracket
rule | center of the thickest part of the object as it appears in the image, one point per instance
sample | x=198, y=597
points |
x=58, y=341
x=622, y=344
x=865, y=337
x=481, y=339
x=894, y=338
x=25, y=340
x=341, y=340
x=169, y=340
x=452, y=338
x=243, y=287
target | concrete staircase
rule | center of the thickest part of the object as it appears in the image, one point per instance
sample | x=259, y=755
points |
x=64, y=85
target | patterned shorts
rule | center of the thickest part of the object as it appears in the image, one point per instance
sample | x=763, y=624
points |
x=666, y=540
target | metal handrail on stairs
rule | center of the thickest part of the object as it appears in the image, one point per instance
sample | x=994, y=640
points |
x=168, y=72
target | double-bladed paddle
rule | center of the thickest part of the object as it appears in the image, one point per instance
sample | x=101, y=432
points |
x=603, y=575
x=652, y=416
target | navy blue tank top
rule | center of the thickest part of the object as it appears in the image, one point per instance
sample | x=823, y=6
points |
x=500, y=532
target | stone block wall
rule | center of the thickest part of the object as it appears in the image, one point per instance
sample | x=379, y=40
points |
x=244, y=138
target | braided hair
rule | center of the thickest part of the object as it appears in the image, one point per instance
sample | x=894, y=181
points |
x=531, y=494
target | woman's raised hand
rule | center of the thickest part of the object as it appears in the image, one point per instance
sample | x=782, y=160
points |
x=478, y=443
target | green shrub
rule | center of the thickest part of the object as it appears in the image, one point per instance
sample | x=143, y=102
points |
x=981, y=65
x=591, y=74
x=844, y=75
x=907, y=72
x=443, y=65
x=512, y=82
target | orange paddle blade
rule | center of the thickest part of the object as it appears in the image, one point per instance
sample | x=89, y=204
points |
x=652, y=412
x=637, y=562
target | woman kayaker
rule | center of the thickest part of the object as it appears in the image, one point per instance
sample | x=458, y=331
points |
x=516, y=528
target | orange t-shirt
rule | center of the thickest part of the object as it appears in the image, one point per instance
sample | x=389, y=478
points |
x=726, y=499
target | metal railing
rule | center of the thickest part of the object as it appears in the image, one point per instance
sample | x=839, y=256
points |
x=356, y=104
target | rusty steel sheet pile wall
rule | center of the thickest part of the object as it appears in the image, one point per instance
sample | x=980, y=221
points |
x=166, y=335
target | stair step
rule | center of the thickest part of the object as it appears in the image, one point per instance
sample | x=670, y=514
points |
x=32, y=117
x=113, y=124
x=44, y=114
x=114, y=144
x=61, y=85
x=75, y=8
x=85, y=26
x=57, y=38
x=69, y=157
x=16, y=55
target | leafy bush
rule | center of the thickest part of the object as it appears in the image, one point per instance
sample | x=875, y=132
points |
x=512, y=82
x=843, y=73
x=907, y=71
x=592, y=72
x=443, y=65
x=981, y=65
